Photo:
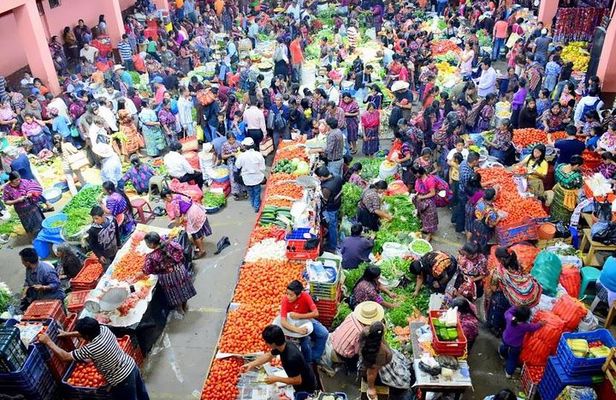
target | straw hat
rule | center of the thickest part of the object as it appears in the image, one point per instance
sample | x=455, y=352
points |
x=118, y=67
x=368, y=312
x=399, y=85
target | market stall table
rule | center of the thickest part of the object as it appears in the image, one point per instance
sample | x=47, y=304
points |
x=593, y=246
x=456, y=385
x=146, y=320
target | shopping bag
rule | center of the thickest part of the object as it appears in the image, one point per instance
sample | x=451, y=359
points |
x=267, y=146
x=512, y=39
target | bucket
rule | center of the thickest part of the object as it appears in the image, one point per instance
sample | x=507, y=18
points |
x=546, y=231
x=43, y=248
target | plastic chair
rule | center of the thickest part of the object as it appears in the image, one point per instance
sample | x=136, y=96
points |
x=142, y=211
x=589, y=274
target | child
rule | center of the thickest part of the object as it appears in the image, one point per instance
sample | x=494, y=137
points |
x=352, y=176
x=517, y=326
x=595, y=135
x=454, y=171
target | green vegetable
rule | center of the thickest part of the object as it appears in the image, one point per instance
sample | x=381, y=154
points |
x=284, y=166
x=343, y=311
x=78, y=209
x=394, y=268
x=351, y=194
x=408, y=305
x=5, y=297
x=78, y=219
x=391, y=340
x=57, y=224
x=352, y=276
x=370, y=167
x=211, y=199
x=8, y=227
x=420, y=247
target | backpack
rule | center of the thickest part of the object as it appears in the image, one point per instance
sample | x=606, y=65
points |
x=441, y=185
x=279, y=122
x=592, y=107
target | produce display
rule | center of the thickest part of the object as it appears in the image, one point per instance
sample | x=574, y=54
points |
x=404, y=222
x=529, y=136
x=295, y=167
x=351, y=194
x=370, y=167
x=286, y=189
x=272, y=215
x=420, y=247
x=577, y=23
x=581, y=348
x=221, y=383
x=9, y=226
x=78, y=210
x=444, y=332
x=394, y=268
x=242, y=331
x=508, y=199
x=214, y=200
x=5, y=297
x=131, y=264
x=409, y=305
x=265, y=232
x=255, y=287
x=577, y=53
x=440, y=47
x=86, y=375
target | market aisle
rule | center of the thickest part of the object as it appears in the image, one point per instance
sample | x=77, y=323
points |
x=178, y=364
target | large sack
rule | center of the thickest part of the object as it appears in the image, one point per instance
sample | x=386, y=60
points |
x=570, y=310
x=546, y=270
x=541, y=344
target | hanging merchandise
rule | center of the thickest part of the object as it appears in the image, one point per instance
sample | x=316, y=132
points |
x=577, y=23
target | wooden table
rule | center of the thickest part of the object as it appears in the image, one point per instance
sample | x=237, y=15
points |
x=426, y=383
x=589, y=257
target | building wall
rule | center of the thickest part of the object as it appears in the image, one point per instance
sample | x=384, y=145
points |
x=54, y=21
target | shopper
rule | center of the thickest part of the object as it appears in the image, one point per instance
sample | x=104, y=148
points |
x=179, y=168
x=369, y=288
x=355, y=249
x=331, y=190
x=517, y=326
x=251, y=165
x=434, y=269
x=369, y=212
x=101, y=346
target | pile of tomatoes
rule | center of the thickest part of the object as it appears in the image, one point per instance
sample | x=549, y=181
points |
x=242, y=331
x=221, y=383
x=255, y=287
x=86, y=375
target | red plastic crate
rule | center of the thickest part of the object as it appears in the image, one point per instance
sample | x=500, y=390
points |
x=75, y=300
x=42, y=310
x=79, y=282
x=131, y=348
x=455, y=348
x=510, y=235
x=296, y=250
x=530, y=378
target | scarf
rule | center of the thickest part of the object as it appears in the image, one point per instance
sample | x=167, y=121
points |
x=519, y=289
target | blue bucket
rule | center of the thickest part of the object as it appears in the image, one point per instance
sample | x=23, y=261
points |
x=43, y=248
x=49, y=221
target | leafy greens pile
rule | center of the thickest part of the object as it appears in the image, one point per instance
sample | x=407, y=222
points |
x=351, y=194
x=78, y=209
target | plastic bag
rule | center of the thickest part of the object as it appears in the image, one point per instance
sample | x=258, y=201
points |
x=571, y=280
x=577, y=393
x=570, y=310
x=589, y=322
x=546, y=269
x=541, y=344
x=546, y=303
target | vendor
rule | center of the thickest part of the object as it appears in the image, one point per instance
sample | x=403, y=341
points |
x=501, y=146
x=299, y=372
x=368, y=288
x=435, y=268
x=70, y=260
x=536, y=169
x=42, y=281
x=298, y=305
x=355, y=249
x=167, y=261
x=486, y=219
x=101, y=347
x=379, y=361
x=331, y=191
x=182, y=210
x=345, y=339
x=178, y=166
x=469, y=321
x=565, y=193
x=24, y=195
x=425, y=201
x=369, y=210
x=103, y=236
x=117, y=204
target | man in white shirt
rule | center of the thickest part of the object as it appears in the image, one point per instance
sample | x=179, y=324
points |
x=88, y=52
x=105, y=113
x=590, y=102
x=255, y=124
x=178, y=166
x=59, y=104
x=252, y=169
x=333, y=94
x=487, y=80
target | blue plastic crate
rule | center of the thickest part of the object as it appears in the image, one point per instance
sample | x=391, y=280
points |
x=555, y=379
x=33, y=380
x=70, y=392
x=304, y=395
x=583, y=366
x=13, y=353
x=298, y=234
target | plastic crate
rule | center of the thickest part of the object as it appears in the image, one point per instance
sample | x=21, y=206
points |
x=33, y=381
x=326, y=291
x=131, y=348
x=13, y=353
x=68, y=343
x=43, y=310
x=75, y=300
x=528, y=380
x=70, y=392
x=454, y=348
x=305, y=395
x=509, y=235
x=56, y=365
x=80, y=282
x=576, y=366
x=555, y=379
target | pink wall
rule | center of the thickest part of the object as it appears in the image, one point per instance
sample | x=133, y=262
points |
x=54, y=22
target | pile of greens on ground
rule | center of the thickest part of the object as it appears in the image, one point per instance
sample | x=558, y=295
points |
x=211, y=199
x=394, y=268
x=408, y=305
x=370, y=167
x=78, y=209
x=8, y=227
x=404, y=222
x=351, y=194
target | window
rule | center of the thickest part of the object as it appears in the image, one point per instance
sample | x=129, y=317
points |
x=54, y=3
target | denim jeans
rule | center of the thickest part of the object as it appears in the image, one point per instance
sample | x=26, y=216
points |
x=254, y=194
x=496, y=48
x=511, y=355
x=335, y=167
x=440, y=7
x=131, y=388
x=332, y=229
x=313, y=345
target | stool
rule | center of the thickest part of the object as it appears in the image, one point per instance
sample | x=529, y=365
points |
x=589, y=274
x=589, y=258
x=142, y=211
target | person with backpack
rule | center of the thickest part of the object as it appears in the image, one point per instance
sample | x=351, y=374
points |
x=590, y=102
x=278, y=120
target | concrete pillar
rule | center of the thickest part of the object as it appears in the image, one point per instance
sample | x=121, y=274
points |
x=113, y=16
x=606, y=71
x=547, y=12
x=32, y=35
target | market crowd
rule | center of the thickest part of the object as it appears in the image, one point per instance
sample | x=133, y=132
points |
x=194, y=77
